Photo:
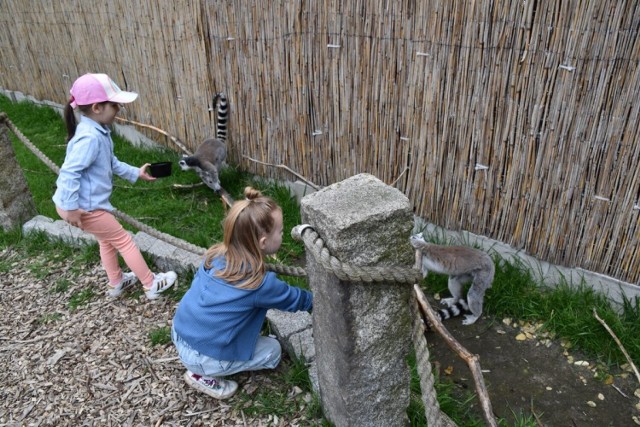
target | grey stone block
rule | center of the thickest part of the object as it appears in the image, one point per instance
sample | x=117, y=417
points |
x=287, y=324
x=16, y=203
x=167, y=256
x=58, y=230
x=18, y=96
x=301, y=344
x=299, y=189
x=295, y=332
x=363, y=220
x=313, y=376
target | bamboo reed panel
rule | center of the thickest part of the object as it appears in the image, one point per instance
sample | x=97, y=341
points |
x=516, y=120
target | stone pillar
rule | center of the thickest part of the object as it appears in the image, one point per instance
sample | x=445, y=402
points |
x=16, y=203
x=361, y=331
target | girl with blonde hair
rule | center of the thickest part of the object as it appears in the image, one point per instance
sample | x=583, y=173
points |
x=216, y=328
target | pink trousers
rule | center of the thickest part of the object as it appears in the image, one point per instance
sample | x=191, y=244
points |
x=114, y=239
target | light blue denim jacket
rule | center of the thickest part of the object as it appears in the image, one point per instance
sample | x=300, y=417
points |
x=86, y=176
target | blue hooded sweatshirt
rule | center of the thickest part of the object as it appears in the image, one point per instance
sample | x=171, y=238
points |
x=223, y=322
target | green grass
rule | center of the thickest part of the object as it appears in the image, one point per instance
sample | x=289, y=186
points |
x=295, y=398
x=450, y=403
x=50, y=318
x=81, y=298
x=61, y=285
x=160, y=336
x=195, y=215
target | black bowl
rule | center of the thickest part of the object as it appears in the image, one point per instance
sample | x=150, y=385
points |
x=160, y=170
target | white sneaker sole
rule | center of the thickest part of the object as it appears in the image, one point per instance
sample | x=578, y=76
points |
x=196, y=385
x=113, y=293
x=155, y=294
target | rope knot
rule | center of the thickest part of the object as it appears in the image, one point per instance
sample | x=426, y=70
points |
x=347, y=272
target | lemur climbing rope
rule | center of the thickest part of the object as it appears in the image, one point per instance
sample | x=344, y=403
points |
x=435, y=416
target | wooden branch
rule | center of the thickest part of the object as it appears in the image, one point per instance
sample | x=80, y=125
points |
x=32, y=340
x=226, y=197
x=615, y=338
x=470, y=359
x=181, y=186
x=538, y=420
x=224, y=194
x=399, y=176
x=175, y=140
x=309, y=183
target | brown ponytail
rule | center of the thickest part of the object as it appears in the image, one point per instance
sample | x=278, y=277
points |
x=70, y=120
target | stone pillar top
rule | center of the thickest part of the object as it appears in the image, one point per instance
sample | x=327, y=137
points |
x=354, y=217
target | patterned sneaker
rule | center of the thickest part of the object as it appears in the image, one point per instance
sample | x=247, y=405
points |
x=161, y=282
x=214, y=387
x=128, y=280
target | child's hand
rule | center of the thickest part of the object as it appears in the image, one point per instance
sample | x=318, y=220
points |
x=73, y=217
x=143, y=173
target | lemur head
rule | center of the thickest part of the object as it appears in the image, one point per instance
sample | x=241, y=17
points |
x=416, y=240
x=187, y=163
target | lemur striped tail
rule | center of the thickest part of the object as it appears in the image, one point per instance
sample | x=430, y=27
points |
x=459, y=308
x=221, y=105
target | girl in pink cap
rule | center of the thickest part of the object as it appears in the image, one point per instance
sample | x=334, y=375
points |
x=85, y=183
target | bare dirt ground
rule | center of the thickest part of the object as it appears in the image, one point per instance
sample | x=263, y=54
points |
x=527, y=373
x=95, y=365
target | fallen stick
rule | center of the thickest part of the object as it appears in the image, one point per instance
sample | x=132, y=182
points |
x=615, y=338
x=32, y=340
x=619, y=391
x=309, y=183
x=470, y=359
x=538, y=420
x=188, y=186
x=171, y=137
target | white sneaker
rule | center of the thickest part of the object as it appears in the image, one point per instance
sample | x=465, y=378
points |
x=214, y=387
x=161, y=282
x=127, y=281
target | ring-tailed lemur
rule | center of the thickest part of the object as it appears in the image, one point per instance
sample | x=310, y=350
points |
x=455, y=309
x=463, y=265
x=212, y=153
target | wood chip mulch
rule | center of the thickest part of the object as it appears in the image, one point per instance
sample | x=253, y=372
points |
x=95, y=364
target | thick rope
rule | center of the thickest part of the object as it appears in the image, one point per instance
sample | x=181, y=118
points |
x=182, y=244
x=315, y=245
x=435, y=416
x=347, y=272
x=30, y=146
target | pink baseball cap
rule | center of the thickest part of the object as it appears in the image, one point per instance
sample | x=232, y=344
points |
x=94, y=88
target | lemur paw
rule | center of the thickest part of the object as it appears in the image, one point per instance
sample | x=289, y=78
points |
x=469, y=319
x=448, y=301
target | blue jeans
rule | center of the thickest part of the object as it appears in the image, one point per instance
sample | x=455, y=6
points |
x=266, y=356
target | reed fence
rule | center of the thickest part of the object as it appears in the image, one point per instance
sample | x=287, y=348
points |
x=513, y=120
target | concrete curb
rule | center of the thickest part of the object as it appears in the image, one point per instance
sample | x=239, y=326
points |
x=293, y=330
